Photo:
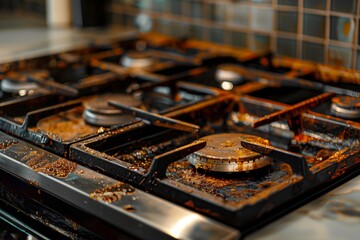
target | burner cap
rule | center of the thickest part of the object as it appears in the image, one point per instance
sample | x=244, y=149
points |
x=224, y=153
x=227, y=73
x=11, y=86
x=136, y=60
x=158, y=100
x=98, y=112
x=346, y=107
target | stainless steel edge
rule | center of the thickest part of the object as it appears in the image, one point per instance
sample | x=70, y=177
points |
x=150, y=217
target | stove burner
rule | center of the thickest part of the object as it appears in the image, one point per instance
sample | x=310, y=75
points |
x=20, y=87
x=224, y=153
x=136, y=60
x=98, y=112
x=159, y=100
x=227, y=76
x=346, y=107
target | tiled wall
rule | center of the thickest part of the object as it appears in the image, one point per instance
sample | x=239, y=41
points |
x=22, y=13
x=325, y=31
x=37, y=7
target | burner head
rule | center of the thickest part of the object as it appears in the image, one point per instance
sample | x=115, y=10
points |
x=346, y=107
x=224, y=153
x=136, y=60
x=159, y=100
x=228, y=76
x=98, y=112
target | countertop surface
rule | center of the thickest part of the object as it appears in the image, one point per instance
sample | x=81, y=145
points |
x=17, y=44
x=335, y=215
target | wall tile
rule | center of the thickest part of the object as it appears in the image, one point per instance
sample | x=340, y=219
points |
x=197, y=9
x=287, y=21
x=315, y=4
x=260, y=1
x=165, y=26
x=262, y=18
x=314, y=25
x=339, y=56
x=313, y=51
x=342, y=28
x=159, y=5
x=254, y=24
x=245, y=23
x=239, y=39
x=140, y=4
x=240, y=15
x=197, y=32
x=176, y=7
x=347, y=6
x=288, y=2
x=287, y=47
x=260, y=42
x=217, y=35
x=217, y=12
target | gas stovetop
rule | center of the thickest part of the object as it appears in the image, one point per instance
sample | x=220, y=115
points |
x=157, y=138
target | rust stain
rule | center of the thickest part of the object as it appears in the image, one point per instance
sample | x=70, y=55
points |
x=60, y=168
x=34, y=183
x=294, y=110
x=302, y=138
x=346, y=101
x=129, y=208
x=322, y=72
x=336, y=74
x=7, y=143
x=248, y=88
x=80, y=172
x=75, y=226
x=67, y=125
x=235, y=190
x=323, y=154
x=38, y=161
x=112, y=193
x=190, y=204
x=344, y=159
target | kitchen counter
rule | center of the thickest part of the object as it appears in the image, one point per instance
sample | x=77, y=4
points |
x=17, y=44
x=335, y=215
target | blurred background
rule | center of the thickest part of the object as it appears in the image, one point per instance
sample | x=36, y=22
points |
x=324, y=31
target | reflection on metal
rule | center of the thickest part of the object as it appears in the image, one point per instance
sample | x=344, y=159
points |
x=227, y=85
x=98, y=112
x=346, y=107
x=11, y=86
x=136, y=60
x=24, y=92
x=190, y=227
x=182, y=225
x=224, y=153
x=227, y=72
